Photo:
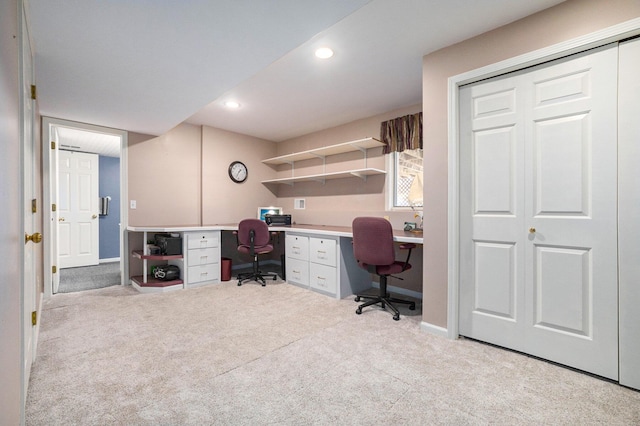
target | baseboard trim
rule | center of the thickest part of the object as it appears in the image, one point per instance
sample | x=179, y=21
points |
x=434, y=329
x=109, y=260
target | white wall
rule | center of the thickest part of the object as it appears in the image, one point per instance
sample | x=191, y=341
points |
x=10, y=224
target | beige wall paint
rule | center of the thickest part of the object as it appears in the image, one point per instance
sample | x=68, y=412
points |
x=165, y=178
x=338, y=202
x=568, y=20
x=224, y=201
x=181, y=178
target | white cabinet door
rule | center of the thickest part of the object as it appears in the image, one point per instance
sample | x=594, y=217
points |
x=297, y=246
x=203, y=256
x=297, y=271
x=323, y=278
x=201, y=240
x=323, y=250
x=202, y=273
x=538, y=216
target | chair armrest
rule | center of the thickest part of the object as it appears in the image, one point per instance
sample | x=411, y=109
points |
x=407, y=246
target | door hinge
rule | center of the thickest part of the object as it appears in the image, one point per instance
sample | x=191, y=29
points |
x=34, y=318
x=54, y=269
x=33, y=92
x=53, y=145
x=53, y=207
x=34, y=206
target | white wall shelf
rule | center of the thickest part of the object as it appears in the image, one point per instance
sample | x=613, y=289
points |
x=361, y=173
x=352, y=146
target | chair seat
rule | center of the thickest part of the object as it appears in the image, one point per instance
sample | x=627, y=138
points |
x=259, y=250
x=395, y=268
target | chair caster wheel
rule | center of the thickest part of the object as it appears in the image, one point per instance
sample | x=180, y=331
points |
x=412, y=307
x=396, y=317
x=357, y=299
x=239, y=284
x=358, y=311
x=275, y=278
x=264, y=284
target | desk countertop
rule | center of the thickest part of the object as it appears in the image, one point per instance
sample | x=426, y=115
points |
x=336, y=231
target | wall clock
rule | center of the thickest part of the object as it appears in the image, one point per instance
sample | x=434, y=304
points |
x=238, y=172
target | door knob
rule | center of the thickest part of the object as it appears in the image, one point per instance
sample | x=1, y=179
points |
x=36, y=237
x=94, y=216
x=61, y=219
x=532, y=230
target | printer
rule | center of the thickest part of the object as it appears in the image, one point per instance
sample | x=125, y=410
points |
x=278, y=219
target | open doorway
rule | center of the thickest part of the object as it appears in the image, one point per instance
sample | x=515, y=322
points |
x=84, y=168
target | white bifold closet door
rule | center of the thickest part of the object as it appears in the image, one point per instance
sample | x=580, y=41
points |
x=538, y=211
x=629, y=212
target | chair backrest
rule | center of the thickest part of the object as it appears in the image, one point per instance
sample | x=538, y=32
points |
x=260, y=228
x=373, y=241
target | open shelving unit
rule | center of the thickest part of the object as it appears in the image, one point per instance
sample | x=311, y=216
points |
x=357, y=145
x=148, y=283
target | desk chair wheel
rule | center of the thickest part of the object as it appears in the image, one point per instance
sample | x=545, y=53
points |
x=412, y=307
x=357, y=299
x=396, y=317
x=359, y=310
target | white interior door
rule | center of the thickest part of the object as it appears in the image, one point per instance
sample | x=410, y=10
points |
x=29, y=220
x=538, y=215
x=77, y=209
x=629, y=212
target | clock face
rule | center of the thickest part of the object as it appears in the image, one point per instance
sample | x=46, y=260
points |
x=238, y=172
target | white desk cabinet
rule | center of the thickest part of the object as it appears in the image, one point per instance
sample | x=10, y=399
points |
x=202, y=257
x=297, y=259
x=323, y=261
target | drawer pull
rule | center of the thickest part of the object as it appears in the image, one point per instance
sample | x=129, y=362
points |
x=296, y=272
x=320, y=251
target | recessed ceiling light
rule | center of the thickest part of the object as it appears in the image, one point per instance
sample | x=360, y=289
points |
x=232, y=104
x=324, y=53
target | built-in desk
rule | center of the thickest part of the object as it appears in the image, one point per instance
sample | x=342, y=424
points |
x=317, y=257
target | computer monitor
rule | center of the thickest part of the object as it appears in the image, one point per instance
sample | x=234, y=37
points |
x=268, y=210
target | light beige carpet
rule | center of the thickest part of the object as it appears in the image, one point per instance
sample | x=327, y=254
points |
x=279, y=354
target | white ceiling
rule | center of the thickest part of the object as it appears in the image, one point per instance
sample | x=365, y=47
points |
x=104, y=144
x=148, y=65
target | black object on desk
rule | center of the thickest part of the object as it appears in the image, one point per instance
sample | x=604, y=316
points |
x=278, y=219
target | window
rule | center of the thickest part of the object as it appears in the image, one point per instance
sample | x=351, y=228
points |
x=407, y=178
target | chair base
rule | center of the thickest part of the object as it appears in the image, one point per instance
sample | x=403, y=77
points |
x=258, y=276
x=384, y=300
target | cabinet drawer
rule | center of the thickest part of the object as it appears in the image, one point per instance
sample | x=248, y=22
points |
x=297, y=271
x=322, y=250
x=202, y=273
x=203, y=256
x=323, y=278
x=203, y=240
x=297, y=247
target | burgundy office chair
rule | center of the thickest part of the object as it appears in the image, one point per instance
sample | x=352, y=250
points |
x=254, y=239
x=373, y=248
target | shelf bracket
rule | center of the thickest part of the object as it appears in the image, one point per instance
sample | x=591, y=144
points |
x=360, y=175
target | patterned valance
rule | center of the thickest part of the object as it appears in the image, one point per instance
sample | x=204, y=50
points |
x=402, y=133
